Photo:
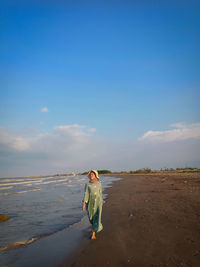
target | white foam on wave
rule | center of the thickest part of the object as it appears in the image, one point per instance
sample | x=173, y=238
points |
x=19, y=244
x=82, y=179
x=19, y=192
x=20, y=183
x=4, y=188
x=56, y=181
x=52, y=182
x=35, y=182
x=61, y=184
x=24, y=179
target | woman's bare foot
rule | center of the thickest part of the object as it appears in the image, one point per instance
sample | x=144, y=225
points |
x=93, y=235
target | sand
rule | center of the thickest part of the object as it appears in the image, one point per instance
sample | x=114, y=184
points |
x=149, y=220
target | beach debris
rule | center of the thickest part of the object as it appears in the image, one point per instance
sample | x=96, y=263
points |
x=4, y=217
x=174, y=260
x=190, y=240
x=82, y=251
x=197, y=252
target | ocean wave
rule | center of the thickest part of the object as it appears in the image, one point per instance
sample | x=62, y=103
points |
x=80, y=179
x=56, y=181
x=4, y=188
x=23, y=179
x=20, y=183
x=18, y=244
x=21, y=243
x=19, y=192
x=35, y=182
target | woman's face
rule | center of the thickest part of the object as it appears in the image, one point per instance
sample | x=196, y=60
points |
x=92, y=176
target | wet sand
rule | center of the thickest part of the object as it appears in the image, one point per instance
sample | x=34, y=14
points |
x=149, y=220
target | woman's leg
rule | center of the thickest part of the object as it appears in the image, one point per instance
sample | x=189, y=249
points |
x=100, y=226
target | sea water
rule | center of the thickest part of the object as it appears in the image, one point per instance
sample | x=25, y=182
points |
x=39, y=207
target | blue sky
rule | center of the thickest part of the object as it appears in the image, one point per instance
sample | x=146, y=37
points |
x=122, y=68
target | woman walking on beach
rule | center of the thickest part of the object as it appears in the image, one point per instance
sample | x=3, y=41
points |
x=93, y=202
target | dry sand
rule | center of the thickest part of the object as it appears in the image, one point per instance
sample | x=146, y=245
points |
x=149, y=220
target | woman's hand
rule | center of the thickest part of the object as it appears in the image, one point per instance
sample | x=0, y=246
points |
x=83, y=206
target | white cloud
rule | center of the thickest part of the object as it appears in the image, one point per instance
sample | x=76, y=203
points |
x=44, y=109
x=12, y=141
x=62, y=138
x=181, y=132
x=92, y=130
x=67, y=147
x=72, y=130
x=75, y=148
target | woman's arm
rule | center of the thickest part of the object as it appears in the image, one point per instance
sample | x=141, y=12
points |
x=86, y=197
x=100, y=191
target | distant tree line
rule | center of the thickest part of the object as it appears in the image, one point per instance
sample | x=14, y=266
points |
x=186, y=169
x=144, y=170
x=148, y=170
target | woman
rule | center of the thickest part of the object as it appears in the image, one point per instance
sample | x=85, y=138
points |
x=93, y=202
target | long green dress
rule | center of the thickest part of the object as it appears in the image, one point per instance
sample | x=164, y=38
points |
x=94, y=202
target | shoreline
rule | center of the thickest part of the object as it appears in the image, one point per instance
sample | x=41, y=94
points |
x=148, y=220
